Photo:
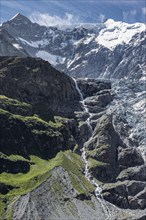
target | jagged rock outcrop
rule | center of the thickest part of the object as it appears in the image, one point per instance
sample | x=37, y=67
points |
x=114, y=158
x=35, y=101
x=21, y=26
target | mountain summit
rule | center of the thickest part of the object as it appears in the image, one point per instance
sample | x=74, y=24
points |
x=76, y=144
x=19, y=19
x=93, y=50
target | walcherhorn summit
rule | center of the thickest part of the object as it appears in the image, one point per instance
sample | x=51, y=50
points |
x=73, y=122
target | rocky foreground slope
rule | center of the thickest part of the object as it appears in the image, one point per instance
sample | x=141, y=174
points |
x=46, y=120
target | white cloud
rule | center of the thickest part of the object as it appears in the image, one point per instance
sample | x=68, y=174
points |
x=69, y=19
x=129, y=16
x=144, y=11
x=102, y=17
x=48, y=20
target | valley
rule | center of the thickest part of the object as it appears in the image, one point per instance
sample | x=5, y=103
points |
x=72, y=112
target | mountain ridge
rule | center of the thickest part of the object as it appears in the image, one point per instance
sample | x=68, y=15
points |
x=89, y=46
x=77, y=144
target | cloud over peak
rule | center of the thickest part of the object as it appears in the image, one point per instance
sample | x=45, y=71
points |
x=48, y=20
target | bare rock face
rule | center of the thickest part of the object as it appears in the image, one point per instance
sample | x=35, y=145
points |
x=26, y=131
x=90, y=87
x=9, y=45
x=57, y=198
x=58, y=191
x=129, y=157
x=21, y=26
x=117, y=163
x=103, y=147
x=37, y=82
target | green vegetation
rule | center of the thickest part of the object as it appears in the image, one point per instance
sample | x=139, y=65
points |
x=26, y=113
x=94, y=163
x=60, y=119
x=74, y=165
x=40, y=171
x=13, y=157
x=2, y=208
x=76, y=148
x=28, y=133
x=14, y=106
x=25, y=134
x=98, y=151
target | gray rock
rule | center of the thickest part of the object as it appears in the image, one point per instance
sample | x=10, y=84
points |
x=45, y=202
x=44, y=86
x=9, y=46
x=133, y=173
x=130, y=157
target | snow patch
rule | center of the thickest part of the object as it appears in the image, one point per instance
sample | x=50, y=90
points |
x=89, y=39
x=35, y=44
x=14, y=16
x=116, y=33
x=53, y=59
x=17, y=46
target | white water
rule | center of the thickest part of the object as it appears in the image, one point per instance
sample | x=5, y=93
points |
x=88, y=175
x=85, y=107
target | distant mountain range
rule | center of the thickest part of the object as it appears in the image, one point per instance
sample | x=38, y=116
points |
x=105, y=50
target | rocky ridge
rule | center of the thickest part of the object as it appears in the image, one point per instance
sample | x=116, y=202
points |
x=114, y=158
x=108, y=122
x=107, y=50
x=28, y=133
x=9, y=45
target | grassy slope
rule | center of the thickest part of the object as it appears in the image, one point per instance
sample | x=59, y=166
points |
x=40, y=169
x=39, y=172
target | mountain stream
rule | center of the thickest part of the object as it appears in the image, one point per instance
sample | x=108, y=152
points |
x=88, y=175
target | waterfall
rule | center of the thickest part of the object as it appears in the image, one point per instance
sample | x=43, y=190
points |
x=84, y=106
x=88, y=175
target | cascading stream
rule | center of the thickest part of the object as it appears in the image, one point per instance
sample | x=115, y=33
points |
x=88, y=175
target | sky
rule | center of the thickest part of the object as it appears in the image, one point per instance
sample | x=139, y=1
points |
x=52, y=12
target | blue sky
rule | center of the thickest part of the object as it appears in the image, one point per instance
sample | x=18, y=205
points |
x=74, y=11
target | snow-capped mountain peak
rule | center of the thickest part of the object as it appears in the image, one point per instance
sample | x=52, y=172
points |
x=18, y=16
x=104, y=50
x=19, y=19
x=116, y=33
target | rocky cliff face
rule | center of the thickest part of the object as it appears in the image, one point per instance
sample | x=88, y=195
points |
x=115, y=156
x=37, y=82
x=36, y=136
x=76, y=145
x=9, y=45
